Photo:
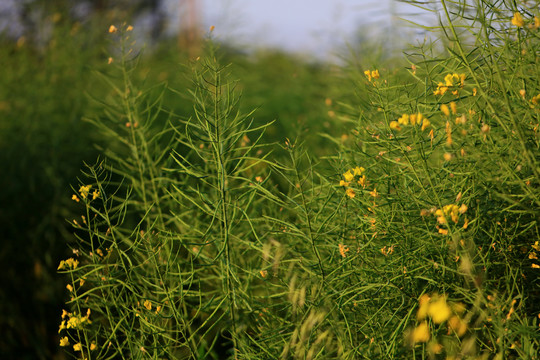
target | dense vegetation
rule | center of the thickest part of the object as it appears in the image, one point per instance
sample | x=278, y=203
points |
x=260, y=206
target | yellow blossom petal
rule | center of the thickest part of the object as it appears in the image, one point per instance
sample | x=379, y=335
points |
x=348, y=176
x=358, y=170
x=423, y=307
x=64, y=341
x=453, y=106
x=425, y=124
x=394, y=125
x=517, y=20
x=343, y=249
x=457, y=325
x=420, y=333
x=439, y=311
x=445, y=110
x=62, y=326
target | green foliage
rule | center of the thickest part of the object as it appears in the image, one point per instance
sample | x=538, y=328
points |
x=414, y=236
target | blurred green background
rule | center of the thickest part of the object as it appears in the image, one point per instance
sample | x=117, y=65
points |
x=49, y=76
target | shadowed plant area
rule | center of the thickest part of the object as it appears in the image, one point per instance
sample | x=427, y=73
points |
x=378, y=211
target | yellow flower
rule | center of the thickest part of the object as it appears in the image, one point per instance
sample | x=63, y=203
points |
x=425, y=124
x=445, y=110
x=536, y=246
x=129, y=28
x=416, y=118
x=350, y=193
x=449, y=80
x=148, y=305
x=368, y=74
x=93, y=346
x=343, y=250
x=439, y=311
x=64, y=341
x=420, y=333
x=372, y=74
x=435, y=348
x=394, y=125
x=69, y=287
x=348, y=176
x=404, y=119
x=112, y=29
x=343, y=183
x=423, y=306
x=62, y=326
x=77, y=347
x=517, y=20
x=362, y=181
x=358, y=171
x=441, y=89
x=95, y=194
x=453, y=106
x=70, y=263
x=75, y=198
x=84, y=190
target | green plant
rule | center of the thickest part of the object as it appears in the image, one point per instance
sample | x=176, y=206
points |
x=416, y=238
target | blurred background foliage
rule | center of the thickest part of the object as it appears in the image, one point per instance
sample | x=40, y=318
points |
x=52, y=53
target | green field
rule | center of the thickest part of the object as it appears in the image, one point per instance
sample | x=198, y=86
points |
x=224, y=204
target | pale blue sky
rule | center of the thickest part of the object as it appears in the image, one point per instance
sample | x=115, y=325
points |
x=306, y=26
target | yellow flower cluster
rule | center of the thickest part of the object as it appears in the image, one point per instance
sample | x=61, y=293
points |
x=73, y=321
x=536, y=24
x=70, y=263
x=517, y=20
x=343, y=249
x=453, y=211
x=446, y=110
x=449, y=79
x=438, y=310
x=412, y=119
x=373, y=74
x=84, y=191
x=351, y=175
x=535, y=100
x=534, y=254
